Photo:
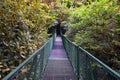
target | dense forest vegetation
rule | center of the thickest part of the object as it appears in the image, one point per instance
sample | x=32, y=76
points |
x=92, y=24
x=23, y=29
x=95, y=26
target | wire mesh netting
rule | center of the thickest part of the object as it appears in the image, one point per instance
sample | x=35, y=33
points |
x=87, y=66
x=33, y=67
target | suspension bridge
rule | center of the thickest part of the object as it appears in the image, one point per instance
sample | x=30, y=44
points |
x=60, y=59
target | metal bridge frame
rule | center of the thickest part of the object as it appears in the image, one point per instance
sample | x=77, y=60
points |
x=80, y=59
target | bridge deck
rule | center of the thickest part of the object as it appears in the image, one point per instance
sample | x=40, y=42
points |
x=59, y=67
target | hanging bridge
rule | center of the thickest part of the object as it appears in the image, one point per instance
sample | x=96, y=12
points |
x=60, y=59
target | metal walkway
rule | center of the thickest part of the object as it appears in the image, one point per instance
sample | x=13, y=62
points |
x=59, y=67
x=39, y=66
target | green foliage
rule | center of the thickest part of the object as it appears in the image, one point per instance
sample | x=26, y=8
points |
x=23, y=29
x=62, y=13
x=94, y=27
x=67, y=3
x=118, y=18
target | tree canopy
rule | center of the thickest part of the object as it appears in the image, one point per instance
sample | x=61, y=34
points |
x=92, y=24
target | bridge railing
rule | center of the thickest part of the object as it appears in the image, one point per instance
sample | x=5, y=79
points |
x=86, y=65
x=33, y=67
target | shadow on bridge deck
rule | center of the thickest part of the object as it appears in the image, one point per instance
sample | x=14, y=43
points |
x=59, y=67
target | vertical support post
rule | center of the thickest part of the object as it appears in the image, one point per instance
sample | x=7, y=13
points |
x=78, y=63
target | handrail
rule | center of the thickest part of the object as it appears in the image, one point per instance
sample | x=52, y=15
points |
x=108, y=69
x=90, y=59
x=16, y=71
x=22, y=64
